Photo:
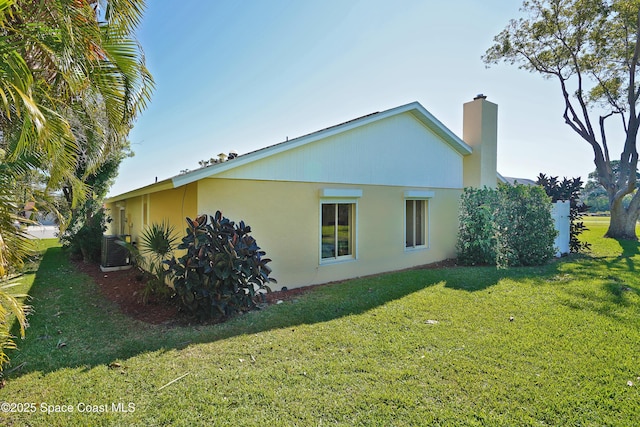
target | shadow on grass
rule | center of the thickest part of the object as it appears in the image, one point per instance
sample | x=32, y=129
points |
x=618, y=286
x=630, y=248
x=73, y=326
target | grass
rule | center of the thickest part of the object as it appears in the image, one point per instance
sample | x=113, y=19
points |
x=421, y=347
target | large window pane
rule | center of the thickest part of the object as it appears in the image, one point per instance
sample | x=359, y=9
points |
x=415, y=223
x=419, y=205
x=410, y=215
x=337, y=229
x=344, y=229
x=328, y=230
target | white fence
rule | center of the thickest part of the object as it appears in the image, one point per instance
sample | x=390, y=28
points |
x=560, y=215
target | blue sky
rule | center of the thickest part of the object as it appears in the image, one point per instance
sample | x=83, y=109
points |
x=244, y=75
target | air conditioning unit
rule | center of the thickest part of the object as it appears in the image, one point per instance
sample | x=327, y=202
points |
x=115, y=256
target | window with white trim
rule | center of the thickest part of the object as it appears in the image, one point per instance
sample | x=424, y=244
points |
x=338, y=230
x=416, y=223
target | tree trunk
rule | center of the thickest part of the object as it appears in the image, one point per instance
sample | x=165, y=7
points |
x=623, y=222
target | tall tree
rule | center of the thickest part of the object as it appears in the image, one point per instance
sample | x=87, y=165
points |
x=72, y=81
x=591, y=48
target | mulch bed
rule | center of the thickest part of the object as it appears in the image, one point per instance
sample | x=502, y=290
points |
x=125, y=288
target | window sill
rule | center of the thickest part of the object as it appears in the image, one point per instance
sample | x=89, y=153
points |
x=339, y=260
x=416, y=248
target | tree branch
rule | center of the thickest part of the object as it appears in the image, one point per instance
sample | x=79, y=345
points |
x=578, y=72
x=573, y=122
x=632, y=93
x=603, y=135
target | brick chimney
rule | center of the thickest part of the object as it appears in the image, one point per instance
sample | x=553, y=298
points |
x=480, y=131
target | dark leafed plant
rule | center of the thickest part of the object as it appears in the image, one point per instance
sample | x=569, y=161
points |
x=223, y=271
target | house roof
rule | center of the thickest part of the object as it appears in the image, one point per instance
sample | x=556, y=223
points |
x=414, y=108
x=524, y=181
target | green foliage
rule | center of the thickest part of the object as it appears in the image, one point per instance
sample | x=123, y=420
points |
x=157, y=244
x=223, y=270
x=83, y=237
x=10, y=308
x=410, y=348
x=590, y=47
x=508, y=226
x=71, y=86
x=565, y=38
x=158, y=240
x=568, y=190
x=477, y=238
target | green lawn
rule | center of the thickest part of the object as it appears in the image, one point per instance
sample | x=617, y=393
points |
x=424, y=347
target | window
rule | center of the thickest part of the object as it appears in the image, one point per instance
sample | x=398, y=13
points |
x=338, y=230
x=415, y=223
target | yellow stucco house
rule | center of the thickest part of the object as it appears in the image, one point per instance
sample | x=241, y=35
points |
x=374, y=194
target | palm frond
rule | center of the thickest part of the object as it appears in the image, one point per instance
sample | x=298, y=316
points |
x=10, y=307
x=158, y=239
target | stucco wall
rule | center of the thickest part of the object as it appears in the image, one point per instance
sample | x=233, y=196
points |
x=169, y=205
x=285, y=217
x=173, y=206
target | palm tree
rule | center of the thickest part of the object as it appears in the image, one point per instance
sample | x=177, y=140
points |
x=72, y=81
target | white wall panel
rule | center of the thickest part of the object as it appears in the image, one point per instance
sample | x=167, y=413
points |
x=398, y=150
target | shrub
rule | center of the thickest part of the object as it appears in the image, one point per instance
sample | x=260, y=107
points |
x=477, y=236
x=83, y=236
x=223, y=270
x=524, y=226
x=508, y=226
x=157, y=244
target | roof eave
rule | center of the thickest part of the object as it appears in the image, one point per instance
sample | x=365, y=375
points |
x=415, y=108
x=166, y=184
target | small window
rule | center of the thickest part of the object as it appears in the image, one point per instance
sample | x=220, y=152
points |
x=338, y=230
x=415, y=223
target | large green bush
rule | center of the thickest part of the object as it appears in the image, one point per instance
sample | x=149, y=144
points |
x=507, y=226
x=83, y=236
x=223, y=270
x=477, y=236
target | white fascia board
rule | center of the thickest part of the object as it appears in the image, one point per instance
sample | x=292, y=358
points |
x=440, y=129
x=341, y=192
x=419, y=194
